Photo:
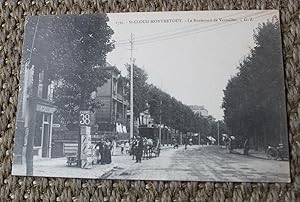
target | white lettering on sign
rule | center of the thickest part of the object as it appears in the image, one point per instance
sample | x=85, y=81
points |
x=56, y=125
x=85, y=118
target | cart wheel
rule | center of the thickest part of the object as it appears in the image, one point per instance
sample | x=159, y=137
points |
x=272, y=153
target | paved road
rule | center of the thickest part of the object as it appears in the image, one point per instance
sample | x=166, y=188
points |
x=204, y=163
x=197, y=163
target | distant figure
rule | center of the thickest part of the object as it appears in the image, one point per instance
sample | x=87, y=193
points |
x=133, y=148
x=127, y=145
x=113, y=148
x=186, y=142
x=190, y=142
x=246, y=147
x=122, y=147
x=227, y=142
x=139, y=150
x=107, y=152
x=175, y=144
x=99, y=152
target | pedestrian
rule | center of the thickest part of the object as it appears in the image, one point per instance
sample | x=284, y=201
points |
x=113, y=148
x=133, y=148
x=139, y=150
x=246, y=147
x=186, y=142
x=229, y=145
x=99, y=151
x=191, y=142
x=175, y=143
x=127, y=147
x=122, y=147
x=107, y=152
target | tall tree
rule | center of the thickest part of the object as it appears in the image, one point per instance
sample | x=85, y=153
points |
x=72, y=51
x=166, y=109
x=83, y=57
x=140, y=89
x=254, y=99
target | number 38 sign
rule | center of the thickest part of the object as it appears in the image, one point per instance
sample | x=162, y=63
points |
x=85, y=118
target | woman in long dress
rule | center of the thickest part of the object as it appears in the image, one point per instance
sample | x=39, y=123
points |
x=107, y=151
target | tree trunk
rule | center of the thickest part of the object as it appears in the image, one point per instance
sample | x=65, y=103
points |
x=32, y=123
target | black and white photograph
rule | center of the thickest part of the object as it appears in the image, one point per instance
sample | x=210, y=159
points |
x=173, y=96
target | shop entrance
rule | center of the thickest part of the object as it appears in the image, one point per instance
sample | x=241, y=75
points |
x=46, y=135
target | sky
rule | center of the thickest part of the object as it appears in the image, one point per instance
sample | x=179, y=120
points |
x=190, y=55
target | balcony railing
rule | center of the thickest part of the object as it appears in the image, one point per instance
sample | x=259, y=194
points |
x=120, y=98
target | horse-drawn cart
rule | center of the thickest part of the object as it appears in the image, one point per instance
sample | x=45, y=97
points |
x=150, y=141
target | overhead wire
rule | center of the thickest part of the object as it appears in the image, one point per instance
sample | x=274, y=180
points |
x=192, y=33
x=180, y=28
x=186, y=33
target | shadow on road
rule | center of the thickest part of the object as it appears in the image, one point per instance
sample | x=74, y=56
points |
x=250, y=155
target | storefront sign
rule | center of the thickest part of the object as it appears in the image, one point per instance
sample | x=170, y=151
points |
x=45, y=109
x=56, y=125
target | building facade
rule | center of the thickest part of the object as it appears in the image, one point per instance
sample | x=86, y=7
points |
x=45, y=108
x=111, y=117
x=109, y=120
x=199, y=110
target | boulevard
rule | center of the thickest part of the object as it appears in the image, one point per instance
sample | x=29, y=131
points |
x=208, y=163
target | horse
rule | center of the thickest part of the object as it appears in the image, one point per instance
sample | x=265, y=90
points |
x=148, y=148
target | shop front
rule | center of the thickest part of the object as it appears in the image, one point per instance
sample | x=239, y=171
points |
x=43, y=131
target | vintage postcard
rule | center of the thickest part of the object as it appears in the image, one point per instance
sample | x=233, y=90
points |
x=188, y=96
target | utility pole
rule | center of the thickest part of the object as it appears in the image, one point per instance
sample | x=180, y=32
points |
x=131, y=85
x=30, y=125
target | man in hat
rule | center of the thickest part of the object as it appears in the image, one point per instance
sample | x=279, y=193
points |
x=139, y=149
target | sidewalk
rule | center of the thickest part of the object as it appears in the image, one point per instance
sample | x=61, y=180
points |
x=58, y=166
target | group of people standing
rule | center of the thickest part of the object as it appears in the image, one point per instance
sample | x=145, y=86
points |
x=104, y=151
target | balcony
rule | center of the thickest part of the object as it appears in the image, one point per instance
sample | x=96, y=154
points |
x=118, y=97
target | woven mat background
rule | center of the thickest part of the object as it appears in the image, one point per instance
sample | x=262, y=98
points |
x=57, y=189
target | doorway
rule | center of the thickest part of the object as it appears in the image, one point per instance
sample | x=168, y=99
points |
x=46, y=135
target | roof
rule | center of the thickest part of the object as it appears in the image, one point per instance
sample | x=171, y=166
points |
x=112, y=67
x=197, y=107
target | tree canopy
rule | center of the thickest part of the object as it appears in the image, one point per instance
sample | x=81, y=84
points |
x=72, y=52
x=254, y=98
x=166, y=109
x=140, y=89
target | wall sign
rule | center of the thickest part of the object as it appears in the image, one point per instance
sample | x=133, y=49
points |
x=85, y=118
x=45, y=109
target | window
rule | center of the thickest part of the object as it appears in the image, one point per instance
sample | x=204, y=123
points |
x=38, y=130
x=114, y=86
